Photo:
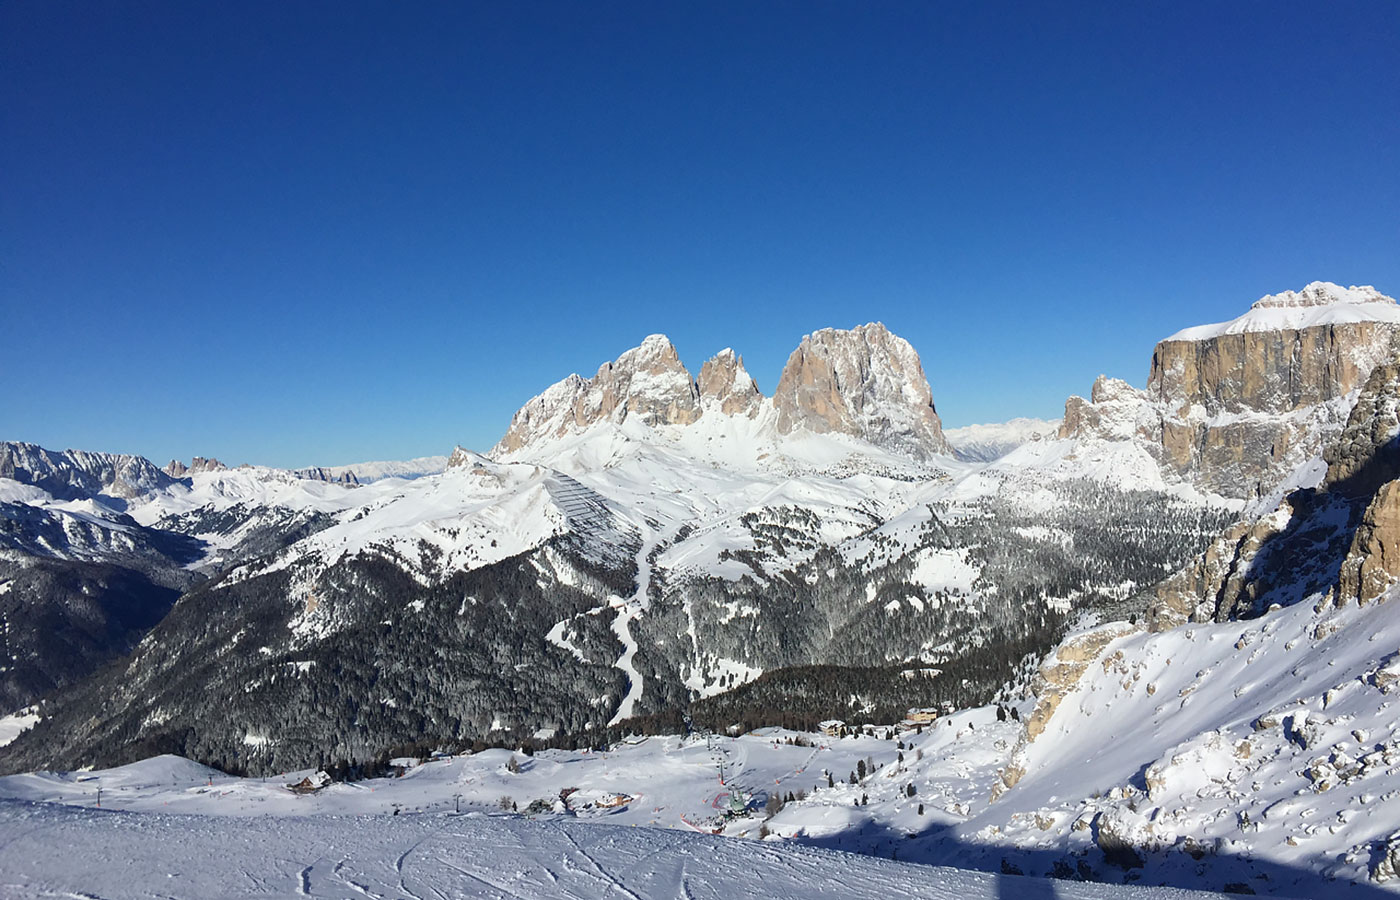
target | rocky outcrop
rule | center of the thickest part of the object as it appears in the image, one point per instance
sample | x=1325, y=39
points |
x=1058, y=674
x=80, y=474
x=1235, y=407
x=177, y=469
x=1372, y=564
x=1341, y=540
x=1115, y=411
x=865, y=382
x=725, y=385
x=647, y=383
x=328, y=475
x=1367, y=452
x=1221, y=583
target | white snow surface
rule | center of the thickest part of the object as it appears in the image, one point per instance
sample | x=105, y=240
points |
x=995, y=440
x=1320, y=303
x=159, y=855
x=16, y=723
x=378, y=470
x=168, y=827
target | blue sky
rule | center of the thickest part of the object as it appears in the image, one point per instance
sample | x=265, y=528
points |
x=321, y=233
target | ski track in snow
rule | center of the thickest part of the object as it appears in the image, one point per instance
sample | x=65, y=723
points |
x=628, y=611
x=143, y=856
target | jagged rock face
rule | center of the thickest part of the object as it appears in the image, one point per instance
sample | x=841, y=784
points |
x=647, y=382
x=1235, y=407
x=1372, y=564
x=1115, y=411
x=1057, y=676
x=1367, y=452
x=1341, y=540
x=322, y=473
x=865, y=382
x=725, y=385
x=177, y=469
x=76, y=474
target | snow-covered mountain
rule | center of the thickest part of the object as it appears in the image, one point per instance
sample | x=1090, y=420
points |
x=643, y=544
x=1236, y=408
x=639, y=541
x=985, y=443
x=864, y=383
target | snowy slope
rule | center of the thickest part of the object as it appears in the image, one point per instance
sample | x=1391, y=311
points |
x=377, y=470
x=1320, y=303
x=473, y=855
x=988, y=442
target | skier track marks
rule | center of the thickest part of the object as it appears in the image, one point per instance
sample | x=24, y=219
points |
x=500, y=889
x=353, y=884
x=398, y=868
x=607, y=876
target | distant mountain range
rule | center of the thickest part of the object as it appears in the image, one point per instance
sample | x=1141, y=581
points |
x=644, y=544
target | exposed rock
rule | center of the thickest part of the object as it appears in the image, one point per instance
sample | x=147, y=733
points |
x=1373, y=560
x=1367, y=452
x=200, y=464
x=79, y=474
x=330, y=476
x=725, y=385
x=1058, y=674
x=647, y=382
x=462, y=458
x=1116, y=411
x=865, y=382
x=1235, y=407
x=1342, y=539
x=177, y=469
x=1221, y=583
x=1385, y=864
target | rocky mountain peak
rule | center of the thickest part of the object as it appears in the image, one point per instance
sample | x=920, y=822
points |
x=76, y=474
x=865, y=382
x=725, y=385
x=462, y=458
x=1322, y=293
x=648, y=383
x=1236, y=406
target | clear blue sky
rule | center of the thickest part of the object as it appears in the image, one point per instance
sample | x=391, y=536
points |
x=296, y=233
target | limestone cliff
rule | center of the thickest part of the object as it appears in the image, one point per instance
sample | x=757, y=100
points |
x=647, y=382
x=1235, y=407
x=865, y=382
x=1340, y=541
x=725, y=385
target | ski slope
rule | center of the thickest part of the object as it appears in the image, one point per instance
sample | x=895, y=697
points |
x=130, y=856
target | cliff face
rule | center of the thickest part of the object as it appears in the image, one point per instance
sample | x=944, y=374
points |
x=648, y=382
x=75, y=474
x=1340, y=541
x=725, y=385
x=1235, y=407
x=865, y=382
